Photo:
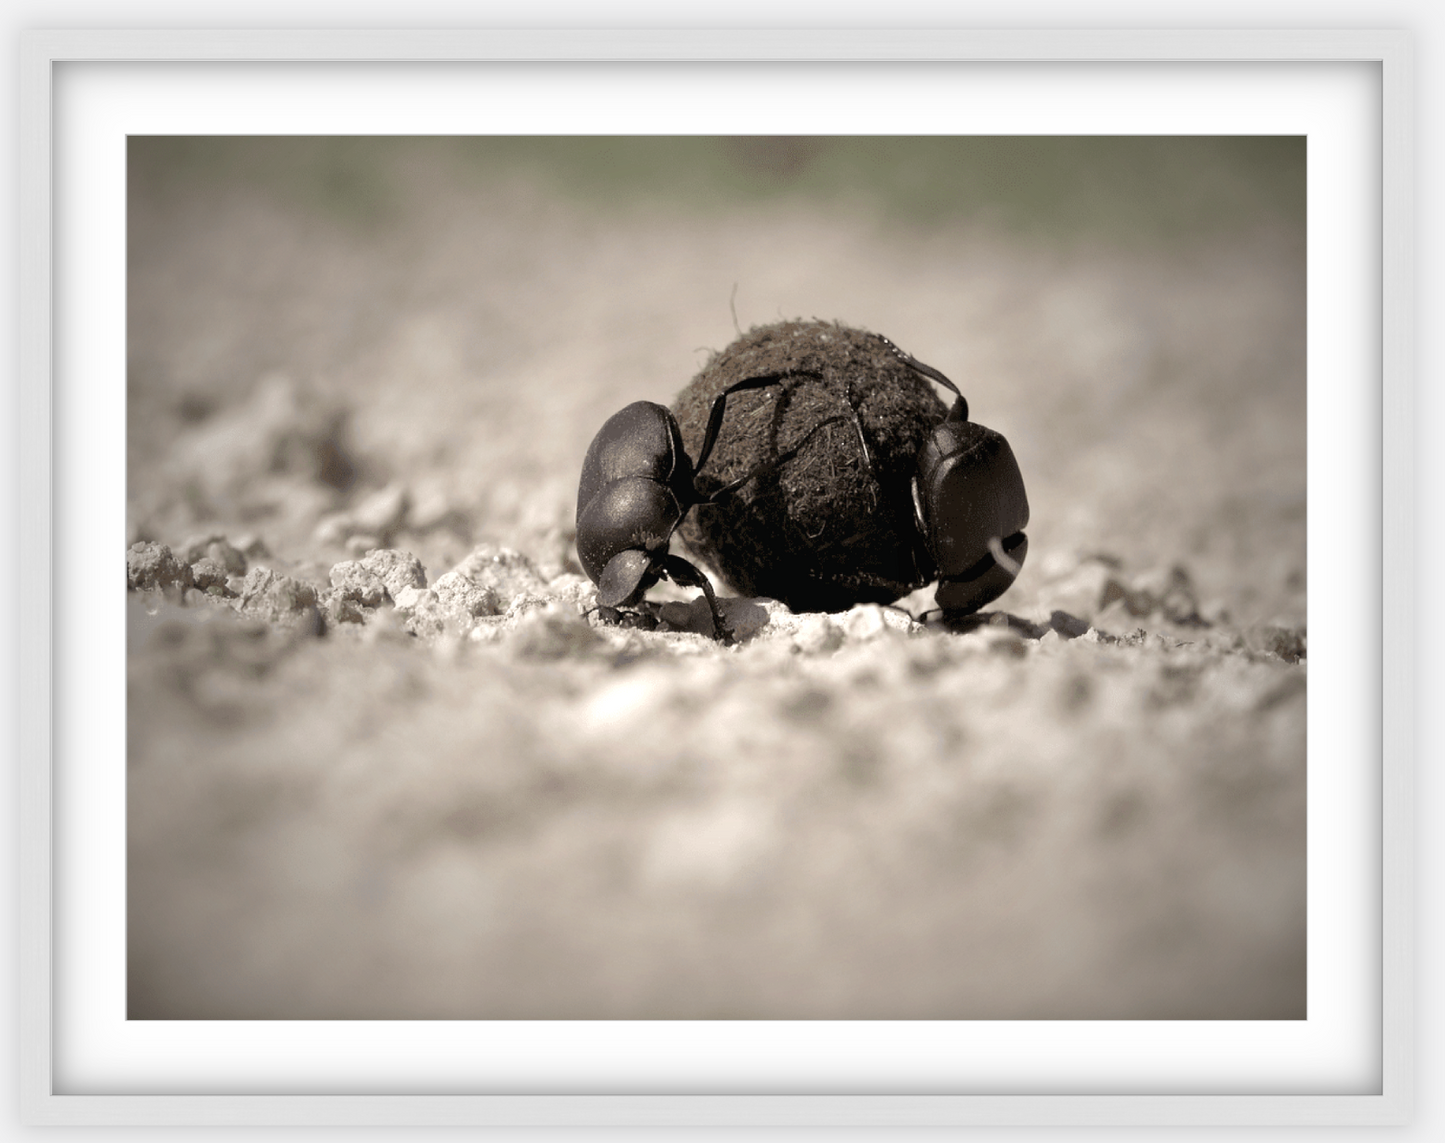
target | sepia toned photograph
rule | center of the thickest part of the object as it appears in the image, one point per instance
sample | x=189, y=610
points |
x=716, y=578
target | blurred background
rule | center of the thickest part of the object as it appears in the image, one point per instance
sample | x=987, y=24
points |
x=336, y=344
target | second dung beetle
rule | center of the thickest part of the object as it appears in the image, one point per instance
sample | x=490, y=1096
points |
x=636, y=487
x=969, y=503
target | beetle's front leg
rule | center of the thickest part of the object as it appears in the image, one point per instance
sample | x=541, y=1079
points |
x=643, y=620
x=685, y=574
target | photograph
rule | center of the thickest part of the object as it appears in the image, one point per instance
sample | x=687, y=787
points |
x=716, y=578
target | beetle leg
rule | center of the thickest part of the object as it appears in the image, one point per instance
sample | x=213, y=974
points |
x=719, y=406
x=769, y=465
x=715, y=419
x=617, y=617
x=959, y=412
x=685, y=574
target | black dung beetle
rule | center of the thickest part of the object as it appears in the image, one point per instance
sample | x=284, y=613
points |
x=636, y=488
x=969, y=504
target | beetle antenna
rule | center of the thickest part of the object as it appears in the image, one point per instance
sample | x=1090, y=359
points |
x=733, y=307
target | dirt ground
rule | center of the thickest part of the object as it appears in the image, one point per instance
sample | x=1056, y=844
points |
x=382, y=765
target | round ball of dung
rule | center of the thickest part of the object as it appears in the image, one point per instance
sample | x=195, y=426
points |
x=819, y=525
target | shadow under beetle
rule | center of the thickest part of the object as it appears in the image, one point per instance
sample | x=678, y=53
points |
x=637, y=485
x=969, y=504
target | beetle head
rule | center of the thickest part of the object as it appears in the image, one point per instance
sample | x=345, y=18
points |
x=627, y=577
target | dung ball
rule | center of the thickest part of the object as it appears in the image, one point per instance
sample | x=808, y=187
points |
x=818, y=524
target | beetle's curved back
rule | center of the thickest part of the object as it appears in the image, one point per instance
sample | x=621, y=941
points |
x=641, y=440
x=636, y=484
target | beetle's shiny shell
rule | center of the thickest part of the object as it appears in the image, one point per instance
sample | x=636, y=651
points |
x=971, y=493
x=634, y=479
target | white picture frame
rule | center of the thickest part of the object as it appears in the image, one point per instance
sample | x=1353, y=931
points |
x=44, y=842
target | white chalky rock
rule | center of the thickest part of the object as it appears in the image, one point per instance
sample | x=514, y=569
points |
x=214, y=546
x=411, y=598
x=276, y=597
x=207, y=573
x=817, y=635
x=869, y=620
x=350, y=580
x=396, y=569
x=150, y=566
x=509, y=573
x=460, y=595
x=421, y=607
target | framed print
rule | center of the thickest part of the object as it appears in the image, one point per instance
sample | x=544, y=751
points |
x=904, y=711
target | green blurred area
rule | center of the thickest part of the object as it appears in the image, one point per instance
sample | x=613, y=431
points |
x=1125, y=189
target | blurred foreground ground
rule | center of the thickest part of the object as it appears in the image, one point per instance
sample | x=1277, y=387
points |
x=455, y=797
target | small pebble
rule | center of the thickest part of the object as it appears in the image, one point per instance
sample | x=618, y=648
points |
x=151, y=566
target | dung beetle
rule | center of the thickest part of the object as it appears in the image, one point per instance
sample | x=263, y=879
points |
x=969, y=504
x=637, y=485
